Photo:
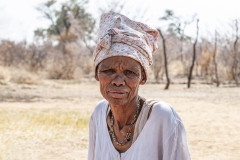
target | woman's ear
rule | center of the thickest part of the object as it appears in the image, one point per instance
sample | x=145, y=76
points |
x=143, y=78
x=96, y=74
x=96, y=77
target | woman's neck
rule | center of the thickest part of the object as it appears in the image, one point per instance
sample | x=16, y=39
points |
x=123, y=115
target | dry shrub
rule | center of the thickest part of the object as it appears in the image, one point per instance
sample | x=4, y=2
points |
x=77, y=73
x=62, y=61
x=61, y=66
x=24, y=77
x=60, y=73
x=87, y=65
x=224, y=73
x=176, y=68
x=158, y=65
x=54, y=72
x=5, y=74
x=20, y=76
x=12, y=53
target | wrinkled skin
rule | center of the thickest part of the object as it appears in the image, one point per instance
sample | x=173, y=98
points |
x=119, y=79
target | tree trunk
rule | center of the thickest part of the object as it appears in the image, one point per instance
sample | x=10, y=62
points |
x=165, y=59
x=235, y=56
x=214, y=60
x=193, y=59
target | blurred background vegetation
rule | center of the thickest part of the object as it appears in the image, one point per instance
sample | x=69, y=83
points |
x=64, y=49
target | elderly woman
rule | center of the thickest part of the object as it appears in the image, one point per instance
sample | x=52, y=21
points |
x=126, y=126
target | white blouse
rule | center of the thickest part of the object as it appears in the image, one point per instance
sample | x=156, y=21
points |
x=163, y=136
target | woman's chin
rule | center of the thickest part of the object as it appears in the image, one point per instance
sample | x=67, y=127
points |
x=117, y=101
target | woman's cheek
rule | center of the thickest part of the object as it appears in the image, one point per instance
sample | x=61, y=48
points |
x=103, y=89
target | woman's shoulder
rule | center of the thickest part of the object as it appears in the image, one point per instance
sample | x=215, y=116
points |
x=100, y=107
x=101, y=103
x=164, y=111
x=161, y=106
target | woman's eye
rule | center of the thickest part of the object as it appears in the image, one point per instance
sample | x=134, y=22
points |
x=129, y=72
x=108, y=71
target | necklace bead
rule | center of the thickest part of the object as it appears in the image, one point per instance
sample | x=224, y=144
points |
x=128, y=135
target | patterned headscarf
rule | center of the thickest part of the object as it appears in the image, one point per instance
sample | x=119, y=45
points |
x=120, y=36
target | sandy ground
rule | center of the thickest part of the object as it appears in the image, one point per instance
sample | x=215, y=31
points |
x=211, y=116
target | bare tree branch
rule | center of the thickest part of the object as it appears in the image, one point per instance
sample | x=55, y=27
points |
x=165, y=59
x=193, y=58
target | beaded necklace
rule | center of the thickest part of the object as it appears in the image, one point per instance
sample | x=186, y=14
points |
x=128, y=135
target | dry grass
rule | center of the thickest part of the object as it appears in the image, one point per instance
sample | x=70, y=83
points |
x=54, y=126
x=41, y=134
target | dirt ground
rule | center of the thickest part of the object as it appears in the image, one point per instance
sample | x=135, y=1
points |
x=49, y=121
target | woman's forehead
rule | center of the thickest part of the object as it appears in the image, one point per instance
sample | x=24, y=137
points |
x=120, y=60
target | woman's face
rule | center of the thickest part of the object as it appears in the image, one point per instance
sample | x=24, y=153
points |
x=119, y=79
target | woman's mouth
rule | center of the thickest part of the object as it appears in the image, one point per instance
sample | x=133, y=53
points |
x=117, y=94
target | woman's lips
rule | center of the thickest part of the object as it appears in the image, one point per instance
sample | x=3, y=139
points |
x=117, y=94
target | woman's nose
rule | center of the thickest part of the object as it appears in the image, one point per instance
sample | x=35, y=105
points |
x=118, y=80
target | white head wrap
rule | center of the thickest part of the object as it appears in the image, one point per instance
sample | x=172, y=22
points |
x=120, y=36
